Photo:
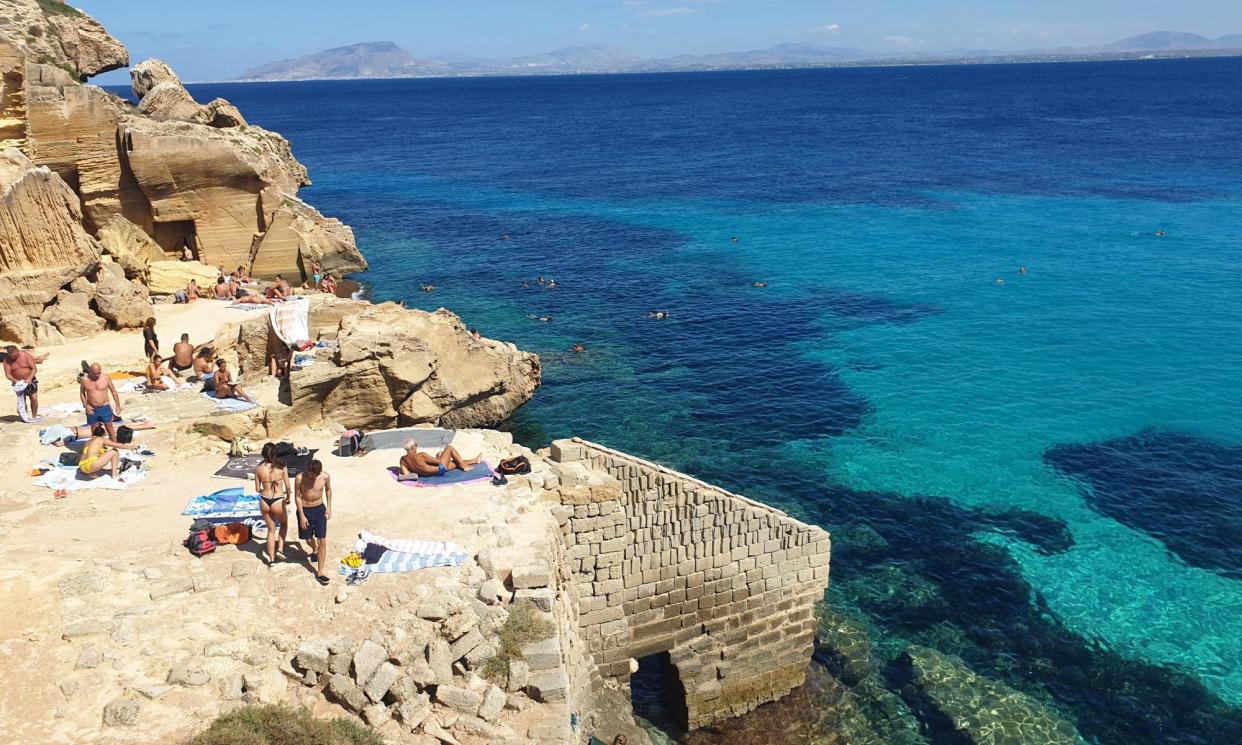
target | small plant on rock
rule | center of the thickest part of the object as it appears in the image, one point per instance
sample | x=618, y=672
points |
x=523, y=627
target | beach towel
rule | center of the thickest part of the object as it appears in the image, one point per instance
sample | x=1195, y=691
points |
x=395, y=439
x=405, y=555
x=132, y=385
x=229, y=404
x=249, y=306
x=23, y=403
x=289, y=320
x=70, y=479
x=480, y=472
x=242, y=466
x=65, y=409
x=225, y=505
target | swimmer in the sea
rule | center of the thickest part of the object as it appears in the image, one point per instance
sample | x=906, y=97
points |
x=428, y=288
x=659, y=315
x=1022, y=270
x=504, y=236
x=1000, y=281
x=551, y=283
x=579, y=349
x=758, y=284
x=525, y=285
x=540, y=280
x=533, y=317
x=733, y=239
x=1160, y=233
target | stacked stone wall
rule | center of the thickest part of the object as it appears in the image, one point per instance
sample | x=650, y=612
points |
x=662, y=562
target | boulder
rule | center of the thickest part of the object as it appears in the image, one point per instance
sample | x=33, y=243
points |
x=129, y=246
x=984, y=710
x=46, y=335
x=168, y=277
x=147, y=74
x=68, y=37
x=122, y=302
x=16, y=328
x=170, y=100
x=222, y=114
x=72, y=316
x=409, y=367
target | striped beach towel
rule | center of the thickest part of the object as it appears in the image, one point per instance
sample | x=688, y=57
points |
x=405, y=555
x=289, y=320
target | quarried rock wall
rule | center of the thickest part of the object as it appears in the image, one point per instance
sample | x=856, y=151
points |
x=663, y=562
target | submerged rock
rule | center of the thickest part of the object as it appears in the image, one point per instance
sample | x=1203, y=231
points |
x=986, y=711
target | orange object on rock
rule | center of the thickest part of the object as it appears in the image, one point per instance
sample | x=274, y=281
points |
x=232, y=533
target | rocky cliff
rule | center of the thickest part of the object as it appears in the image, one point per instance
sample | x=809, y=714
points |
x=146, y=180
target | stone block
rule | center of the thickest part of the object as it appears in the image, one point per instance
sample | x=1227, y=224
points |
x=382, y=681
x=313, y=655
x=493, y=592
x=465, y=644
x=122, y=712
x=189, y=674
x=432, y=610
x=376, y=715
x=548, y=686
x=347, y=693
x=479, y=728
x=531, y=576
x=458, y=624
x=493, y=704
x=540, y=597
x=367, y=660
x=440, y=658
x=567, y=451
x=459, y=699
x=543, y=655
x=519, y=675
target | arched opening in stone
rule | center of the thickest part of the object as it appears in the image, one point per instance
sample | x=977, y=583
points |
x=658, y=695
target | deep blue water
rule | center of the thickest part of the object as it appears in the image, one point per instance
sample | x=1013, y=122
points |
x=1037, y=472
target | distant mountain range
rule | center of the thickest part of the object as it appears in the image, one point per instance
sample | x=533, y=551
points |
x=385, y=59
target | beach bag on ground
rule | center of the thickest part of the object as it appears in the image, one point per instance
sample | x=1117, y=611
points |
x=350, y=443
x=124, y=435
x=231, y=534
x=285, y=450
x=513, y=466
x=200, y=542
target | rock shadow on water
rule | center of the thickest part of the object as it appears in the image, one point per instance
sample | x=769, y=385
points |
x=1180, y=489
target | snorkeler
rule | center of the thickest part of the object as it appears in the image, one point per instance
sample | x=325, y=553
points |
x=758, y=284
x=659, y=315
x=428, y=288
x=578, y=348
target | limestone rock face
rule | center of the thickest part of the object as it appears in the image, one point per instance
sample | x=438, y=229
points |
x=65, y=37
x=398, y=366
x=43, y=246
x=168, y=277
x=149, y=73
x=123, y=303
x=222, y=114
x=129, y=246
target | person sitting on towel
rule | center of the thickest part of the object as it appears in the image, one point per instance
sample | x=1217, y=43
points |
x=101, y=453
x=415, y=464
x=156, y=372
x=204, y=367
x=225, y=387
x=223, y=289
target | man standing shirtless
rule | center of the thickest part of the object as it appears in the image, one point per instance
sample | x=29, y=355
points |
x=20, y=368
x=312, y=491
x=96, y=387
x=183, y=356
x=414, y=464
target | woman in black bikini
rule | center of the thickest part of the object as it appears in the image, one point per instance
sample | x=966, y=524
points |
x=271, y=477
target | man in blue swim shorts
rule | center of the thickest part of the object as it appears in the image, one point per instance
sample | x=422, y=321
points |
x=96, y=388
x=415, y=464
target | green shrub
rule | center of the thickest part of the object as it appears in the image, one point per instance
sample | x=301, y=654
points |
x=524, y=626
x=283, y=725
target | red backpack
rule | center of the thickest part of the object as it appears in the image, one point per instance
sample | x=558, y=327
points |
x=200, y=541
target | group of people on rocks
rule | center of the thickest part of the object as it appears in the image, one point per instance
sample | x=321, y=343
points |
x=239, y=287
x=192, y=367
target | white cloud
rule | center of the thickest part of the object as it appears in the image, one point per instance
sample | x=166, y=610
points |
x=669, y=12
x=585, y=27
x=898, y=39
x=832, y=28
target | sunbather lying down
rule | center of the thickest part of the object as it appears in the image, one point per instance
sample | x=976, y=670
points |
x=415, y=464
x=72, y=434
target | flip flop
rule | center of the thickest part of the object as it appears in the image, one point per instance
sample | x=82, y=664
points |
x=321, y=579
x=61, y=493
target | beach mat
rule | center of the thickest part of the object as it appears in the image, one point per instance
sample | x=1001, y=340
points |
x=231, y=504
x=242, y=466
x=480, y=472
x=395, y=439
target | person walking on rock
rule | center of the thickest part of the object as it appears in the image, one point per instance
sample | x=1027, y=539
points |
x=20, y=367
x=95, y=391
x=313, y=493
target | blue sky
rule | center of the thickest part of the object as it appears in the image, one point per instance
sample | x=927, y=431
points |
x=214, y=39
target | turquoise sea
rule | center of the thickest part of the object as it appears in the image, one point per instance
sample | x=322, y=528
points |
x=1039, y=472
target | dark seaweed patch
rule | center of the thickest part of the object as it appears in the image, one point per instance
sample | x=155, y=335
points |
x=1182, y=490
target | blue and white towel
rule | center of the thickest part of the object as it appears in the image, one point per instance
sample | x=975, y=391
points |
x=404, y=555
x=230, y=404
x=232, y=504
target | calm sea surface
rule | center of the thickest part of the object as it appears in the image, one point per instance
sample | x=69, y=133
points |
x=1038, y=472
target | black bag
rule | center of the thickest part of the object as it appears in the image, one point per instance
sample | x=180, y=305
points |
x=209, y=385
x=514, y=466
x=70, y=459
x=124, y=435
x=285, y=450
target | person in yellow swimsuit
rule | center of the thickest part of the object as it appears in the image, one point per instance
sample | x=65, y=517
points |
x=101, y=453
